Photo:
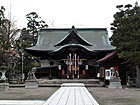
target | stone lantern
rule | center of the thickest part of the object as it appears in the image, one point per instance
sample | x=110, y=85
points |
x=3, y=71
x=3, y=84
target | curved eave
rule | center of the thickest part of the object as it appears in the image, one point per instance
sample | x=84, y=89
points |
x=74, y=45
x=41, y=48
x=36, y=52
x=107, y=57
x=33, y=52
x=57, y=44
x=110, y=48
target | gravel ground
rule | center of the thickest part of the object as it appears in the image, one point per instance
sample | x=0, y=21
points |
x=41, y=93
x=105, y=96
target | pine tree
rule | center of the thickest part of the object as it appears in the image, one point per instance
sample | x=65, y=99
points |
x=126, y=35
x=33, y=25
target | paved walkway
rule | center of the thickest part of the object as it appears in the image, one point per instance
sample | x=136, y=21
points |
x=71, y=94
x=68, y=94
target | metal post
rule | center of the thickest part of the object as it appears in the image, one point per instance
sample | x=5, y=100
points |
x=22, y=65
x=50, y=76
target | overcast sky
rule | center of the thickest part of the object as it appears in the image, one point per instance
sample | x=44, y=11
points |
x=65, y=13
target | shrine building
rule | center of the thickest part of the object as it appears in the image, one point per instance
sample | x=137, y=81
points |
x=71, y=52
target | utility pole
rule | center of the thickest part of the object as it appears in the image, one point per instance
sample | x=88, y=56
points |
x=22, y=66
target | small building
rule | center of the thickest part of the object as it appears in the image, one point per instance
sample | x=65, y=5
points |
x=71, y=52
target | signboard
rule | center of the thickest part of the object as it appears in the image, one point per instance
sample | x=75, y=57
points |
x=107, y=74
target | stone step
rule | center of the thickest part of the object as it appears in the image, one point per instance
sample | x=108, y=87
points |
x=72, y=85
x=58, y=82
x=61, y=81
x=51, y=85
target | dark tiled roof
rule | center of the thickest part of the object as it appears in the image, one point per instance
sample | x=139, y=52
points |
x=97, y=37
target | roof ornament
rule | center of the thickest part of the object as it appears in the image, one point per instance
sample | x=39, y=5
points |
x=73, y=29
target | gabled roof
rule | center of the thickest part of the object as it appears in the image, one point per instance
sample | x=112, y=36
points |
x=52, y=39
x=73, y=38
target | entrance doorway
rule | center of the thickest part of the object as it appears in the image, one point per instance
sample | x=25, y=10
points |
x=74, y=67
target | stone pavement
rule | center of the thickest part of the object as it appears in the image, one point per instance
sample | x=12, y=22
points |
x=71, y=94
x=68, y=94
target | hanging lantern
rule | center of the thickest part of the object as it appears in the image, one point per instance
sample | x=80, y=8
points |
x=59, y=67
x=79, y=62
x=86, y=66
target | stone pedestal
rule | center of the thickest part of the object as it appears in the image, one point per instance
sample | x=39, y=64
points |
x=115, y=83
x=31, y=84
x=4, y=86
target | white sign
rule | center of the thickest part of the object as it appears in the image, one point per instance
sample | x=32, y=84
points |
x=107, y=74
